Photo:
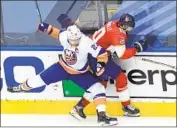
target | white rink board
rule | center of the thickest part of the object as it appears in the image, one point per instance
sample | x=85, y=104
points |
x=21, y=73
x=153, y=83
x=24, y=72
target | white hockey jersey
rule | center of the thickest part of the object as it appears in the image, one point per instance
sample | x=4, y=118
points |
x=74, y=59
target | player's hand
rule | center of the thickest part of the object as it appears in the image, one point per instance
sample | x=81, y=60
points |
x=141, y=45
x=44, y=27
x=100, y=68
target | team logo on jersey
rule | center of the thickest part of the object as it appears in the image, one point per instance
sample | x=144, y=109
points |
x=70, y=57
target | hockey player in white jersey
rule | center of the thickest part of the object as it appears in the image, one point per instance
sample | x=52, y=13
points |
x=73, y=65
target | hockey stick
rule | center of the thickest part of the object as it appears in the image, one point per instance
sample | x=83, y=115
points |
x=38, y=11
x=160, y=63
x=72, y=5
x=156, y=62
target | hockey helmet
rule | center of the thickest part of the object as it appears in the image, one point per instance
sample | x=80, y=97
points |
x=128, y=21
x=74, y=34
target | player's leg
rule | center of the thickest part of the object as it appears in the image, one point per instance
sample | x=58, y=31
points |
x=78, y=109
x=91, y=84
x=87, y=97
x=115, y=72
x=50, y=75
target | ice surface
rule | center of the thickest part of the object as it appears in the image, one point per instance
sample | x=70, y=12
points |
x=67, y=120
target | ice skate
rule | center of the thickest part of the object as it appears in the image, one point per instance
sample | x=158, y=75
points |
x=15, y=89
x=105, y=120
x=131, y=111
x=78, y=112
x=20, y=88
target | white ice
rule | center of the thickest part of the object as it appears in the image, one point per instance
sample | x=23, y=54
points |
x=67, y=120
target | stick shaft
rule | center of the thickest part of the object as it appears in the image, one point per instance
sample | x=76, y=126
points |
x=38, y=11
x=160, y=63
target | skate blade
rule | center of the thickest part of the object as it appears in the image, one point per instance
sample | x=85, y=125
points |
x=131, y=115
x=75, y=115
x=113, y=123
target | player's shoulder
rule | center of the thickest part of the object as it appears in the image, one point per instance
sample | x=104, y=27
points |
x=115, y=22
x=112, y=27
x=120, y=37
x=85, y=43
x=122, y=33
x=63, y=33
x=63, y=36
x=111, y=24
x=86, y=39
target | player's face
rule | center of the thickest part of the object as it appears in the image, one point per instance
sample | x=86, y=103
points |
x=127, y=28
x=74, y=42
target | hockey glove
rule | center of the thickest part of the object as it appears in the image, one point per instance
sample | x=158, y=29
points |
x=100, y=68
x=46, y=28
x=141, y=45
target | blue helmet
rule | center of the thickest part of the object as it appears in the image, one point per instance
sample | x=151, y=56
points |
x=127, y=19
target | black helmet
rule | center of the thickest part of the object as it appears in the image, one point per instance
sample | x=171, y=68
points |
x=127, y=19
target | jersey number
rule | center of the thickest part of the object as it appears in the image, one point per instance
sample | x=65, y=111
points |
x=98, y=34
x=94, y=47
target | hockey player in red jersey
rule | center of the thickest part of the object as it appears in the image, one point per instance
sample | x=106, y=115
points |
x=113, y=37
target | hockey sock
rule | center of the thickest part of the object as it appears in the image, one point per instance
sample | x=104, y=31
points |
x=87, y=98
x=124, y=97
x=100, y=104
x=83, y=102
x=105, y=83
x=122, y=89
x=125, y=103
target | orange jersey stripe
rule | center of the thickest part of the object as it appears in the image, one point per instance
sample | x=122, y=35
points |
x=71, y=70
x=55, y=33
x=103, y=58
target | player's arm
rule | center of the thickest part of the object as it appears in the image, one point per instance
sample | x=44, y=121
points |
x=99, y=53
x=49, y=30
x=139, y=46
x=101, y=56
x=118, y=46
x=125, y=53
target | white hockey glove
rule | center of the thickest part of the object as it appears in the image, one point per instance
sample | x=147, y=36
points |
x=100, y=68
